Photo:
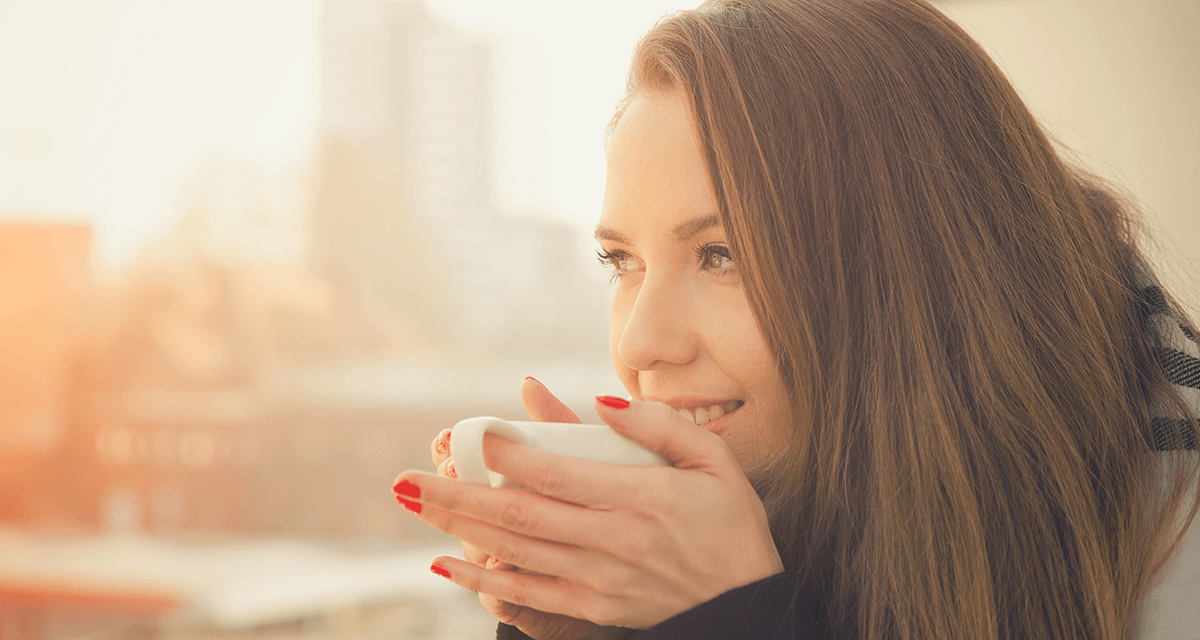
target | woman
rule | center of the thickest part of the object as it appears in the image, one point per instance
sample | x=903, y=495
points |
x=940, y=371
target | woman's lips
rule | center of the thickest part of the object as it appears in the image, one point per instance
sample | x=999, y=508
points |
x=705, y=414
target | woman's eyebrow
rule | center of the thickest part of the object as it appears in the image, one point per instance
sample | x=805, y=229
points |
x=682, y=231
x=685, y=230
x=604, y=233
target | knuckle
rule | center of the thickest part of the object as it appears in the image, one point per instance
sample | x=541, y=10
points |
x=612, y=582
x=622, y=543
x=549, y=480
x=516, y=516
x=515, y=596
x=600, y=611
x=649, y=498
x=660, y=495
x=601, y=583
x=506, y=551
x=630, y=548
x=503, y=611
x=474, y=555
x=652, y=502
x=662, y=413
x=452, y=500
x=495, y=607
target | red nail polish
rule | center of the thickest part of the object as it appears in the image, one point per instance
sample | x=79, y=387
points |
x=534, y=379
x=613, y=402
x=450, y=472
x=439, y=569
x=414, y=507
x=407, y=488
x=441, y=445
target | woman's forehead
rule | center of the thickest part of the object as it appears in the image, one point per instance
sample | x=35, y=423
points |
x=658, y=178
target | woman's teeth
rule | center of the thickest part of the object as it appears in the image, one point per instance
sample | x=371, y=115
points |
x=702, y=415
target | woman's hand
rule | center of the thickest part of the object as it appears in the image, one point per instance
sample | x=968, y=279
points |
x=614, y=545
x=542, y=406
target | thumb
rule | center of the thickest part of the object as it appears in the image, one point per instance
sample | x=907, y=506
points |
x=661, y=429
x=542, y=405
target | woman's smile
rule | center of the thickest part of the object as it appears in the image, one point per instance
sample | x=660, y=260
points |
x=709, y=414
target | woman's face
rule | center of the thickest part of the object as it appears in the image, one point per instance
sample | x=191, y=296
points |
x=682, y=331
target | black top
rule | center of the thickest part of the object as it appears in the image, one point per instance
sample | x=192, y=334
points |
x=774, y=608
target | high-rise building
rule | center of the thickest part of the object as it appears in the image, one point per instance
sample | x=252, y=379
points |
x=405, y=145
x=407, y=221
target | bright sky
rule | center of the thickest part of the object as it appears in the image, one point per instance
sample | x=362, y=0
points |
x=112, y=112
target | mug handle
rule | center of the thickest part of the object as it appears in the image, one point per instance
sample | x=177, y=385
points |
x=466, y=448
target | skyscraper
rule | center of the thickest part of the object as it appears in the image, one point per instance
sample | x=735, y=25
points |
x=405, y=148
x=406, y=217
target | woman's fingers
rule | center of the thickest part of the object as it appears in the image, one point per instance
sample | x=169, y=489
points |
x=542, y=405
x=533, y=554
x=538, y=624
x=579, y=481
x=445, y=467
x=614, y=545
x=439, y=449
x=493, y=563
x=525, y=590
x=661, y=429
x=476, y=556
x=512, y=525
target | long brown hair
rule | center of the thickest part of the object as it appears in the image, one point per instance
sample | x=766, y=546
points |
x=955, y=310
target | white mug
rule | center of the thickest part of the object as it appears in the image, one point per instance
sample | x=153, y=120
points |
x=592, y=441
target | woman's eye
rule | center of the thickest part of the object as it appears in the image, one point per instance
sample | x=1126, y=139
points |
x=618, y=261
x=714, y=257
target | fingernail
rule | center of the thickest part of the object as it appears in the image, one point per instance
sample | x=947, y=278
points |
x=441, y=442
x=414, y=507
x=450, y=472
x=439, y=569
x=407, y=488
x=534, y=379
x=613, y=402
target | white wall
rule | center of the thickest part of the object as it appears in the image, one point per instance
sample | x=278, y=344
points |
x=1119, y=82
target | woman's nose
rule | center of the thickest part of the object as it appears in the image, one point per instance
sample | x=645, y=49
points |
x=658, y=330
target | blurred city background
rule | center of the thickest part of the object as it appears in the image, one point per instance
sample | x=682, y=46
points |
x=255, y=254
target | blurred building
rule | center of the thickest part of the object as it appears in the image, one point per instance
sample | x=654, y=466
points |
x=405, y=216
x=405, y=128
x=43, y=281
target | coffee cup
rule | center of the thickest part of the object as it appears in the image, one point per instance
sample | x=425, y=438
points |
x=592, y=441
